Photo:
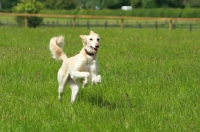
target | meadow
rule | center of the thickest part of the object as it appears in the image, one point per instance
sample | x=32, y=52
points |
x=150, y=82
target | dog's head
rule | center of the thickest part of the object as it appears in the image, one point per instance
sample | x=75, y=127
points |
x=91, y=42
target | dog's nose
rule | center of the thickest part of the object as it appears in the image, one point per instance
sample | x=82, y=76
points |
x=97, y=46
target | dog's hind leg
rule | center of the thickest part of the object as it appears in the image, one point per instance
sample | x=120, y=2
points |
x=62, y=79
x=75, y=89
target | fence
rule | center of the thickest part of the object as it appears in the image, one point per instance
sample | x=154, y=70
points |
x=108, y=21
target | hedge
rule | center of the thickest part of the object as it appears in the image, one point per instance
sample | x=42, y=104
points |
x=142, y=12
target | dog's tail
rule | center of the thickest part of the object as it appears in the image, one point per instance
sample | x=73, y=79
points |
x=56, y=45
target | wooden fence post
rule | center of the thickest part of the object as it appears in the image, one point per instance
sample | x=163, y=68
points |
x=122, y=23
x=156, y=24
x=170, y=24
x=88, y=24
x=26, y=22
x=74, y=22
x=106, y=24
x=190, y=26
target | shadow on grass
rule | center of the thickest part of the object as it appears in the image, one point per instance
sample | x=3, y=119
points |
x=102, y=103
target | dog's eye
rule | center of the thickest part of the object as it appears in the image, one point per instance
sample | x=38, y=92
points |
x=98, y=39
x=91, y=39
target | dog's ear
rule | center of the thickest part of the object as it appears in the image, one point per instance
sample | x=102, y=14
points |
x=84, y=39
x=82, y=36
x=92, y=33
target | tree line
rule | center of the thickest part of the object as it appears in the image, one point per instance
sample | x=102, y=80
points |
x=103, y=4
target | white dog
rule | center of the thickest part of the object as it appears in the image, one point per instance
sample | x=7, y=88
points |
x=79, y=68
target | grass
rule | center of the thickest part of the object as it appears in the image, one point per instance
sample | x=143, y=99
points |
x=150, y=82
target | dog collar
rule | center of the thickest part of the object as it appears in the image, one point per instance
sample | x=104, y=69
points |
x=88, y=53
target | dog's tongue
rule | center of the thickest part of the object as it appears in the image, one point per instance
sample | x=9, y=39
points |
x=95, y=50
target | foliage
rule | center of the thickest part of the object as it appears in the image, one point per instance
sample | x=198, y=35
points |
x=136, y=3
x=8, y=4
x=188, y=12
x=59, y=4
x=152, y=12
x=150, y=82
x=149, y=3
x=29, y=6
x=165, y=3
x=117, y=4
x=107, y=4
x=193, y=3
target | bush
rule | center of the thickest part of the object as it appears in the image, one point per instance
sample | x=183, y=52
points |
x=29, y=6
x=188, y=12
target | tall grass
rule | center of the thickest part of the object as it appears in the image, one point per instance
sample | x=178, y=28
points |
x=150, y=82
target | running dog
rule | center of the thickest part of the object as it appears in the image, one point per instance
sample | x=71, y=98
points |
x=77, y=69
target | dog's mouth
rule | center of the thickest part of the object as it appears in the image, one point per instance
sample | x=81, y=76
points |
x=95, y=50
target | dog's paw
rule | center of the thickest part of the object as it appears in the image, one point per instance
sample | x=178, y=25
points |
x=98, y=78
x=84, y=83
x=83, y=86
x=59, y=98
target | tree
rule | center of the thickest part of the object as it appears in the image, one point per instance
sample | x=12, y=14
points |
x=60, y=4
x=117, y=4
x=149, y=3
x=29, y=6
x=136, y=3
x=89, y=3
x=160, y=3
x=174, y=3
x=8, y=4
x=191, y=3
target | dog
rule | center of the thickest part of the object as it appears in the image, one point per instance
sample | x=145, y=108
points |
x=77, y=69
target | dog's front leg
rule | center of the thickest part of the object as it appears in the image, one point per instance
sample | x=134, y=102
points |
x=79, y=75
x=93, y=71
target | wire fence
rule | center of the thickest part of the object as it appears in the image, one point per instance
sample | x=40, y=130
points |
x=8, y=19
x=88, y=23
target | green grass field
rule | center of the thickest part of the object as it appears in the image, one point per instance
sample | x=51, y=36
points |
x=150, y=82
